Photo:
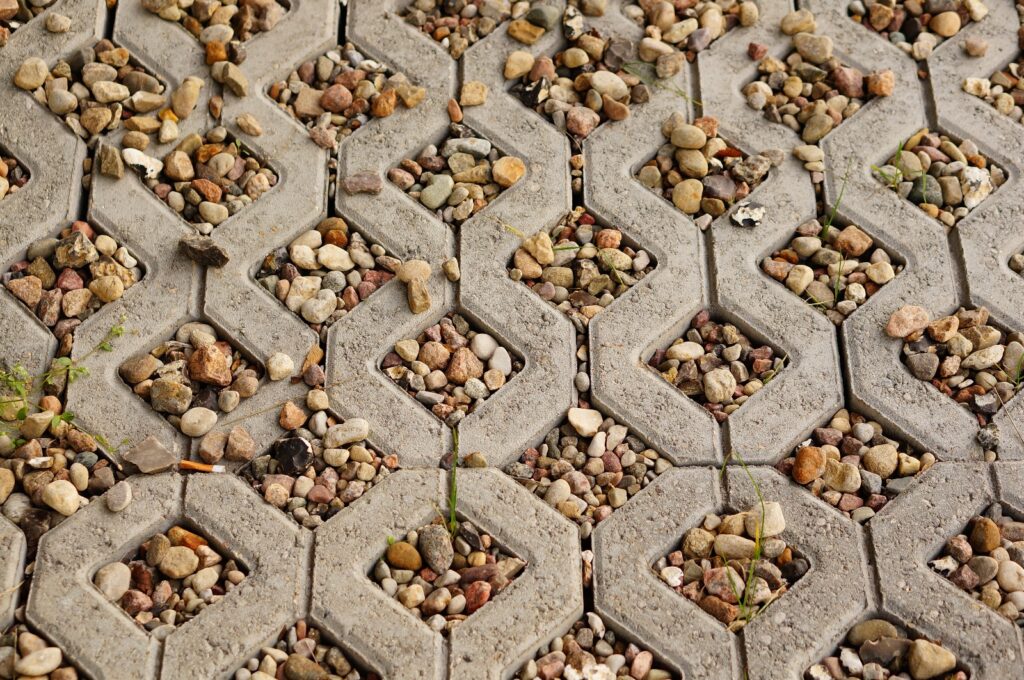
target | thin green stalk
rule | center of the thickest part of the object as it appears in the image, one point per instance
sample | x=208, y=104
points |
x=835, y=206
x=453, y=487
x=748, y=591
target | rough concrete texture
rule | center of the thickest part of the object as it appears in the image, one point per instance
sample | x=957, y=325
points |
x=631, y=597
x=540, y=604
x=856, y=572
x=912, y=532
x=828, y=599
x=12, y=542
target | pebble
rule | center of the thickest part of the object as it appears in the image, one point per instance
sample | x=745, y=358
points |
x=461, y=179
x=729, y=593
x=113, y=580
x=907, y=321
x=836, y=269
x=151, y=457
x=205, y=179
x=203, y=250
x=62, y=496
x=475, y=571
x=946, y=180
x=876, y=648
x=161, y=574
x=279, y=366
x=456, y=30
x=915, y=31
x=586, y=266
x=119, y=497
x=302, y=652
x=730, y=370
x=975, y=363
x=582, y=86
x=69, y=278
x=446, y=375
x=31, y=74
x=57, y=23
x=705, y=181
x=40, y=662
x=588, y=467
x=193, y=370
x=688, y=27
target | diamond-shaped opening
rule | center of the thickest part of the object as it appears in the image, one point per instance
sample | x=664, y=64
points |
x=976, y=562
x=689, y=27
x=851, y=464
x=717, y=365
x=194, y=378
x=712, y=565
x=833, y=265
x=881, y=647
x=585, y=84
x=170, y=578
x=67, y=278
x=588, y=467
x=318, y=468
x=459, y=24
x=444, y=580
x=205, y=180
x=590, y=644
x=14, y=15
x=52, y=467
x=943, y=178
x=21, y=641
x=812, y=91
x=305, y=651
x=324, y=273
x=13, y=175
x=587, y=265
x=103, y=89
x=458, y=178
x=916, y=27
x=699, y=172
x=451, y=368
x=224, y=28
x=348, y=87
x=1003, y=89
x=970, y=358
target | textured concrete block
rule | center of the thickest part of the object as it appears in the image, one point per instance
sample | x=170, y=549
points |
x=909, y=534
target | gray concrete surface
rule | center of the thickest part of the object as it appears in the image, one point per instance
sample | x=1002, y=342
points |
x=856, y=572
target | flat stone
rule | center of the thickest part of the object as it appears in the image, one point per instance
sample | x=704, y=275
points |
x=204, y=250
x=151, y=457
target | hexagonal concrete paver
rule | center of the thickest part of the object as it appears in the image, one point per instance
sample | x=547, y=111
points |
x=542, y=601
x=218, y=639
x=630, y=596
x=910, y=534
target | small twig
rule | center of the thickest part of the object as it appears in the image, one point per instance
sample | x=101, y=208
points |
x=12, y=589
x=649, y=78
